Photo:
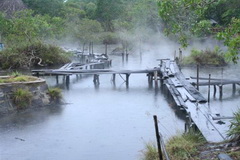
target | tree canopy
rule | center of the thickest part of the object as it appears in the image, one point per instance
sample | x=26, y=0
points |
x=186, y=19
x=111, y=21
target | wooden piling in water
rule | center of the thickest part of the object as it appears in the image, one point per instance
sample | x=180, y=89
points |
x=198, y=77
x=127, y=79
x=220, y=91
x=158, y=138
x=92, y=47
x=67, y=79
x=209, y=87
x=114, y=78
x=122, y=57
x=96, y=79
x=234, y=88
x=106, y=48
x=57, y=81
x=156, y=78
x=214, y=90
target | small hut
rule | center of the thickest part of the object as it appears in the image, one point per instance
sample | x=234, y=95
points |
x=10, y=6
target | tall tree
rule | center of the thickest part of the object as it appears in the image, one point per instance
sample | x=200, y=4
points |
x=9, y=7
x=50, y=7
x=186, y=18
x=107, y=11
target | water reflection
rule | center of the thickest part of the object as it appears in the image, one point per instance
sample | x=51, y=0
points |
x=28, y=117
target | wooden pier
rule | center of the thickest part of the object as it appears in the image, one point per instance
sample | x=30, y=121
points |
x=73, y=69
x=215, y=82
x=211, y=124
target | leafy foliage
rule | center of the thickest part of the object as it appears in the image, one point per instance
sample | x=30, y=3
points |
x=107, y=11
x=32, y=55
x=231, y=38
x=205, y=57
x=234, y=131
x=185, y=19
x=55, y=94
x=22, y=98
x=52, y=7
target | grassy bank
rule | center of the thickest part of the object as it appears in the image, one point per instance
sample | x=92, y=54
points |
x=193, y=146
x=205, y=58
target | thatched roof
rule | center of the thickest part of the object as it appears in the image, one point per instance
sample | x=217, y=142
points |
x=11, y=6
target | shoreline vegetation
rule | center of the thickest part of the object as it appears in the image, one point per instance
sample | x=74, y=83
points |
x=36, y=54
x=205, y=58
x=192, y=145
x=23, y=93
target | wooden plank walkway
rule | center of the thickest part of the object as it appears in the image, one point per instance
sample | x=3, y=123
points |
x=78, y=69
x=212, y=125
x=214, y=81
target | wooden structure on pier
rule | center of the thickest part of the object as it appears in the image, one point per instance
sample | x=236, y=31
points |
x=88, y=69
x=212, y=125
x=216, y=82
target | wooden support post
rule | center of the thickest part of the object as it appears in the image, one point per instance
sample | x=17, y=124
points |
x=148, y=75
x=106, y=48
x=122, y=57
x=155, y=78
x=198, y=77
x=96, y=79
x=92, y=47
x=67, y=80
x=180, y=55
x=209, y=79
x=234, y=88
x=127, y=78
x=214, y=90
x=114, y=78
x=220, y=91
x=57, y=81
x=158, y=138
x=110, y=63
x=89, y=48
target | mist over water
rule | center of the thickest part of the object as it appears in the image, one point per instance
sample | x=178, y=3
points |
x=110, y=122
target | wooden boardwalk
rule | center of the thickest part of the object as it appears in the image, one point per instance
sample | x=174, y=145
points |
x=212, y=125
x=75, y=69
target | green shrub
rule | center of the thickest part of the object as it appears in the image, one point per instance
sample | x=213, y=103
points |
x=205, y=57
x=16, y=73
x=234, y=131
x=22, y=98
x=150, y=152
x=109, y=38
x=55, y=93
x=32, y=55
x=183, y=147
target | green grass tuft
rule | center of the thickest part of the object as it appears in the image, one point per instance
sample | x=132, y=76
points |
x=234, y=131
x=22, y=98
x=21, y=78
x=150, y=152
x=55, y=93
x=183, y=147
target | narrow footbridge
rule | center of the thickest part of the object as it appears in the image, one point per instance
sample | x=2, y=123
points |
x=212, y=125
x=75, y=69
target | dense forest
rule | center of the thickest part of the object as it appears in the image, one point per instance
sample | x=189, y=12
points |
x=28, y=25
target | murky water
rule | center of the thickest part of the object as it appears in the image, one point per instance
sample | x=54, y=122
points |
x=109, y=122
